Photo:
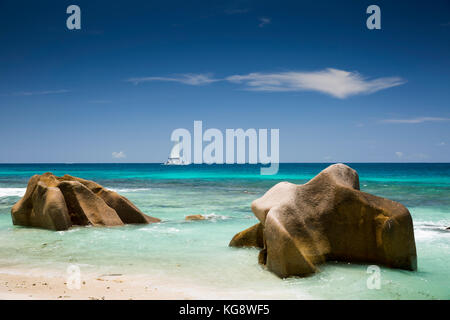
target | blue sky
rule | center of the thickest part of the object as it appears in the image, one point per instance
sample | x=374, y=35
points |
x=116, y=89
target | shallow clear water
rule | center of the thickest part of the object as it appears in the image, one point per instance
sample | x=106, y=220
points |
x=196, y=253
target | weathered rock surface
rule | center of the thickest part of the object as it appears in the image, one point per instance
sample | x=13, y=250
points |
x=126, y=210
x=251, y=237
x=328, y=218
x=195, y=217
x=57, y=203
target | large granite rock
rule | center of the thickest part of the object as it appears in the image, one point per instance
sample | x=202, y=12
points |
x=57, y=203
x=126, y=210
x=328, y=218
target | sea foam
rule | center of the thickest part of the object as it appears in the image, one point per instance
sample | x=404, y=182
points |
x=12, y=192
x=125, y=190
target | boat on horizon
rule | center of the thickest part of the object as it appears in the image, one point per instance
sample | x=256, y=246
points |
x=175, y=158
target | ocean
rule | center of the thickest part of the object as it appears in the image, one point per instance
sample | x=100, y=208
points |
x=195, y=256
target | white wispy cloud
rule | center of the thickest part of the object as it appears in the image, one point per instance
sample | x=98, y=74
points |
x=264, y=21
x=119, y=155
x=36, y=93
x=337, y=83
x=415, y=120
x=190, y=78
x=412, y=156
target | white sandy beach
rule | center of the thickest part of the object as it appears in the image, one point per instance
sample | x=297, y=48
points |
x=29, y=284
x=93, y=287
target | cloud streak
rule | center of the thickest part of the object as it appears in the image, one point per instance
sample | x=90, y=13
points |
x=336, y=83
x=190, y=78
x=264, y=21
x=119, y=155
x=412, y=157
x=39, y=93
x=415, y=120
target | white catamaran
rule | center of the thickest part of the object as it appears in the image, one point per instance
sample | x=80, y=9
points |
x=175, y=159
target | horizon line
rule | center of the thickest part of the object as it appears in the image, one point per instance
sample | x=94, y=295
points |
x=227, y=164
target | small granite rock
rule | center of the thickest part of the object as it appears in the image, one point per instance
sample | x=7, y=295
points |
x=251, y=237
x=195, y=217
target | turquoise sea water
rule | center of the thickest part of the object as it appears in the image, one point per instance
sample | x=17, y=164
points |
x=196, y=254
